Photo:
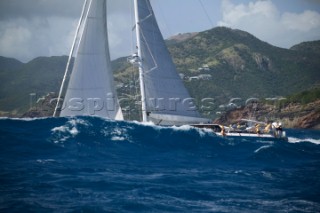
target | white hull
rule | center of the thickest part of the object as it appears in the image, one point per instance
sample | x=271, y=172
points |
x=251, y=135
x=242, y=134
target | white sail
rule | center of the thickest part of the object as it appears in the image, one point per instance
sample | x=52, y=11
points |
x=167, y=101
x=91, y=89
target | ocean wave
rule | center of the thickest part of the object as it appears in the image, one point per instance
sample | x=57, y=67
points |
x=262, y=148
x=25, y=119
x=92, y=164
x=301, y=140
x=69, y=129
x=63, y=129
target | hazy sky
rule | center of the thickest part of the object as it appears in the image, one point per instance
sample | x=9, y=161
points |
x=32, y=28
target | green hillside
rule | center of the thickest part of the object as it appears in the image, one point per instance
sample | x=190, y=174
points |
x=311, y=47
x=241, y=66
x=304, y=97
x=9, y=64
x=29, y=81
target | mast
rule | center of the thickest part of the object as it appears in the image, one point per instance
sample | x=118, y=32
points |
x=141, y=71
x=69, y=59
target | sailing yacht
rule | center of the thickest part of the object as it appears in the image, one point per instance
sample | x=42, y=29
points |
x=164, y=99
x=91, y=90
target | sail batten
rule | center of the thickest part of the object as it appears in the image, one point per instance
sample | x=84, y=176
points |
x=91, y=89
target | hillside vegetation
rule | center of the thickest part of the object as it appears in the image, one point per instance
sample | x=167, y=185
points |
x=241, y=66
x=22, y=84
x=300, y=110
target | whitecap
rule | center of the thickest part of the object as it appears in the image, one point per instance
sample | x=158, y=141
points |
x=76, y=121
x=149, y=123
x=64, y=132
x=60, y=129
x=262, y=147
x=267, y=175
x=74, y=131
x=118, y=138
x=182, y=128
x=62, y=139
x=45, y=160
x=299, y=140
x=315, y=141
x=24, y=119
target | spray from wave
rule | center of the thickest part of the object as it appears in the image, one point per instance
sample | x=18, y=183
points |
x=94, y=164
x=300, y=140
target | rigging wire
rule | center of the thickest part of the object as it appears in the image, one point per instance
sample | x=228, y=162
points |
x=207, y=14
x=165, y=22
x=85, y=9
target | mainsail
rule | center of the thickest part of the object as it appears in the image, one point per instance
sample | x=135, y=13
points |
x=91, y=89
x=165, y=100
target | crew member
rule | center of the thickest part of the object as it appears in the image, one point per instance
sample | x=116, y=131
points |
x=257, y=128
x=267, y=128
x=223, y=132
x=279, y=129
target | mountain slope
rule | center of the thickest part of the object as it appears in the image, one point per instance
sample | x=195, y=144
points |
x=312, y=47
x=30, y=81
x=9, y=64
x=300, y=110
x=241, y=66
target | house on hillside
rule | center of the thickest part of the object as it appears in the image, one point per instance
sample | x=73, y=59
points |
x=205, y=77
x=193, y=78
x=204, y=67
x=200, y=77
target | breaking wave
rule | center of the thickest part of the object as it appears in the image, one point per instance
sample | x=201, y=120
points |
x=94, y=164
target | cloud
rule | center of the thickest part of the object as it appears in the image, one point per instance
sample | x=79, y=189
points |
x=264, y=20
x=26, y=39
x=44, y=8
x=33, y=28
x=41, y=8
x=120, y=35
x=304, y=22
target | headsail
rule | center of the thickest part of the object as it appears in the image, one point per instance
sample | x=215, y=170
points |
x=167, y=101
x=91, y=89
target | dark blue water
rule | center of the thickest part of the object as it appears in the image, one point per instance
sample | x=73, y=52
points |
x=92, y=165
